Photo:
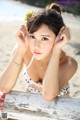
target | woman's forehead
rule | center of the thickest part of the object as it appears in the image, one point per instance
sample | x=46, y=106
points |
x=44, y=30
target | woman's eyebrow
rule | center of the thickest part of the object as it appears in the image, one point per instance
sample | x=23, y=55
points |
x=31, y=33
x=45, y=35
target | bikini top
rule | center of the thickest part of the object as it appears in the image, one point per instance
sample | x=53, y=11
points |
x=30, y=82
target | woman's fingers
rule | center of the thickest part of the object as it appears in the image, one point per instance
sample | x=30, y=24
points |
x=22, y=33
x=24, y=30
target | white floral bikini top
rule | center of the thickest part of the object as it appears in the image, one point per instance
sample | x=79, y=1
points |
x=30, y=82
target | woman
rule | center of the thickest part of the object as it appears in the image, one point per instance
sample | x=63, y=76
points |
x=47, y=67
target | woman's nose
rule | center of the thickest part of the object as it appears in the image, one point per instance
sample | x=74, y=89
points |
x=37, y=43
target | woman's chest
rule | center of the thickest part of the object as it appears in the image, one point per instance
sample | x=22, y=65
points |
x=34, y=71
x=36, y=74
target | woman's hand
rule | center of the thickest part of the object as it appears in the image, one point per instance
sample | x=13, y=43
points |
x=62, y=38
x=22, y=38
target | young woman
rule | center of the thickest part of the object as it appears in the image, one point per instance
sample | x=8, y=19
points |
x=47, y=67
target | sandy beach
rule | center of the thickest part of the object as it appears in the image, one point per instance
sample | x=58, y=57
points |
x=8, y=29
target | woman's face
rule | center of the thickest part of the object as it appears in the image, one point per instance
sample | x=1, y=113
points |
x=41, y=42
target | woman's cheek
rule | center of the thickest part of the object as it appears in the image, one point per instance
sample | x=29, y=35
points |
x=31, y=46
x=50, y=46
x=48, y=49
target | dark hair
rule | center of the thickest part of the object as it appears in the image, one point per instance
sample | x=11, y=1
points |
x=48, y=17
x=56, y=7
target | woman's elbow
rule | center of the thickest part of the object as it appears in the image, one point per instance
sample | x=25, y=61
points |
x=4, y=90
x=49, y=97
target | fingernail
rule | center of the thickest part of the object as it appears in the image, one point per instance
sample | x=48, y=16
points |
x=2, y=102
x=3, y=96
x=1, y=109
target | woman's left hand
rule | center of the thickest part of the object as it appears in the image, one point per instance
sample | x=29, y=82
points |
x=62, y=38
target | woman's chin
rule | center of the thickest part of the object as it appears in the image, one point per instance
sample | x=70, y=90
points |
x=39, y=57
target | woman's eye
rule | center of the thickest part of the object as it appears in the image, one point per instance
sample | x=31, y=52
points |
x=45, y=39
x=32, y=36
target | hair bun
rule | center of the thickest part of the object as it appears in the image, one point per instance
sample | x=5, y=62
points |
x=55, y=7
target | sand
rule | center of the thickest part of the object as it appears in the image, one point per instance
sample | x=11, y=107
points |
x=8, y=30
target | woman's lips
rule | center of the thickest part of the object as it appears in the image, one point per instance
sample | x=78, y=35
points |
x=37, y=53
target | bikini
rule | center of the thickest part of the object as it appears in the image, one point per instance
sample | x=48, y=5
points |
x=30, y=82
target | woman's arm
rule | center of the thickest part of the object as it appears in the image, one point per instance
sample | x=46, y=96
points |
x=57, y=76
x=52, y=78
x=9, y=77
x=51, y=82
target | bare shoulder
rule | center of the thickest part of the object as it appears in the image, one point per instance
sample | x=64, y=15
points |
x=70, y=68
x=69, y=62
x=72, y=64
x=67, y=68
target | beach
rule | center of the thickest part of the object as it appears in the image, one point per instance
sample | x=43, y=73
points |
x=8, y=29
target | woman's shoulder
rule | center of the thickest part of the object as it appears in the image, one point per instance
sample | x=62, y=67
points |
x=68, y=68
x=67, y=59
x=72, y=63
x=69, y=64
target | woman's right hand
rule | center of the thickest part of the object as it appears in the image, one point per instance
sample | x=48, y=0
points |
x=22, y=38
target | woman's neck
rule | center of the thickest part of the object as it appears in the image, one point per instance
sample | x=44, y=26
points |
x=42, y=64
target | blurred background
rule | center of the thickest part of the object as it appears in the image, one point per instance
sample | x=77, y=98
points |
x=12, y=17
x=70, y=6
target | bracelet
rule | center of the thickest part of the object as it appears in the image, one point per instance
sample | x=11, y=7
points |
x=17, y=64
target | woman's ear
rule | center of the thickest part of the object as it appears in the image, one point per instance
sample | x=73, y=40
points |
x=61, y=37
x=61, y=30
x=57, y=39
x=65, y=30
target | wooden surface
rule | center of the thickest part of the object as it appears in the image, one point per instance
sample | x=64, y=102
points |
x=23, y=106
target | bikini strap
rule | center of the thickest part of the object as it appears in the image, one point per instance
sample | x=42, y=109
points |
x=30, y=62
